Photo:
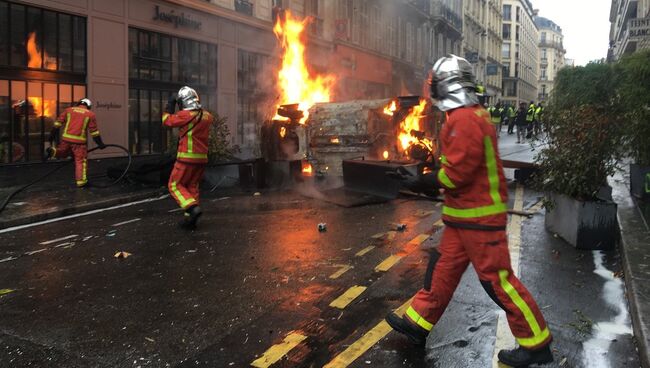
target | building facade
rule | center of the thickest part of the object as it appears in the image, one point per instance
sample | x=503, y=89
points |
x=519, y=52
x=446, y=31
x=630, y=27
x=128, y=56
x=551, y=55
x=482, y=42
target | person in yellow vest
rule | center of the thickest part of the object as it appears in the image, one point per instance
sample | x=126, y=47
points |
x=539, y=113
x=530, y=119
x=512, y=114
x=495, y=116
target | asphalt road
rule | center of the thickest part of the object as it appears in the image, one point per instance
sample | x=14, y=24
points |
x=258, y=284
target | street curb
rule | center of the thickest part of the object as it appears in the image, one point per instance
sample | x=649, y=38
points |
x=74, y=209
x=634, y=235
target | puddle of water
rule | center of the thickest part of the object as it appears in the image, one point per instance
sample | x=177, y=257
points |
x=595, y=350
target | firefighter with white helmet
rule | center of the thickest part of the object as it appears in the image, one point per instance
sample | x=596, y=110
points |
x=192, y=155
x=475, y=215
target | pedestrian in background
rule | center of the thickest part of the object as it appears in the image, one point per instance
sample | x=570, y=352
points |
x=512, y=115
x=521, y=121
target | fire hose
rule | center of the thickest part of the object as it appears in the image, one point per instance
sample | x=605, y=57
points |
x=126, y=170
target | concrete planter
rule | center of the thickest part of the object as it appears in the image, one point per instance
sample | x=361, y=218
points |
x=640, y=181
x=588, y=225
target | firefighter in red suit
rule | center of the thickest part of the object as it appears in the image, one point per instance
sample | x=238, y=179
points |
x=192, y=156
x=475, y=215
x=76, y=121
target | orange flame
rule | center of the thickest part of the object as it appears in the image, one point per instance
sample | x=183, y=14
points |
x=283, y=132
x=335, y=140
x=36, y=61
x=34, y=53
x=390, y=109
x=411, y=123
x=306, y=168
x=296, y=83
x=385, y=155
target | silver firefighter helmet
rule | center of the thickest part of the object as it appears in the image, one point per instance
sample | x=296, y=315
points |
x=452, y=83
x=188, y=99
x=87, y=102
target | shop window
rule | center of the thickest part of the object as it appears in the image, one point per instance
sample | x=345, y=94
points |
x=159, y=65
x=250, y=96
x=36, y=45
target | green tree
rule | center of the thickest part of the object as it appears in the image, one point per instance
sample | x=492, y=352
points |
x=583, y=128
x=634, y=91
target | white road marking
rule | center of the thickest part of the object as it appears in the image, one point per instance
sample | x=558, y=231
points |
x=504, y=337
x=8, y=259
x=59, y=239
x=35, y=251
x=126, y=222
x=176, y=210
x=62, y=245
x=20, y=227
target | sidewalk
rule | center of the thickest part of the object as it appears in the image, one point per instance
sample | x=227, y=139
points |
x=57, y=195
x=633, y=218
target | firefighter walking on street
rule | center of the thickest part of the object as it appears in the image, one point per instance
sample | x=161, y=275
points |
x=192, y=156
x=475, y=216
x=76, y=122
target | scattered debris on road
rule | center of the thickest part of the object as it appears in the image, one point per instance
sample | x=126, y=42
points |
x=122, y=254
x=322, y=227
x=6, y=291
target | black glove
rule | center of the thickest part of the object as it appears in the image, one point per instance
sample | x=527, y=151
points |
x=53, y=134
x=171, y=103
x=99, y=142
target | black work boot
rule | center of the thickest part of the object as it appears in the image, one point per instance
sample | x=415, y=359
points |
x=416, y=334
x=49, y=153
x=191, y=217
x=520, y=357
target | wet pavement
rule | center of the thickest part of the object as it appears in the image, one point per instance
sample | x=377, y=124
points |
x=257, y=283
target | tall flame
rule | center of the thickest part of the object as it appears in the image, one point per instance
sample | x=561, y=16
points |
x=296, y=83
x=390, y=109
x=410, y=123
x=47, y=107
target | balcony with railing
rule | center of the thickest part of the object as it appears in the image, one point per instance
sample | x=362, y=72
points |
x=543, y=61
x=442, y=12
x=552, y=44
x=542, y=96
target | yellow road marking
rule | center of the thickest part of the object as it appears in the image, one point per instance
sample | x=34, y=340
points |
x=276, y=352
x=390, y=236
x=347, y=297
x=343, y=269
x=439, y=223
x=378, y=235
x=438, y=204
x=419, y=239
x=504, y=337
x=365, y=250
x=365, y=342
x=387, y=263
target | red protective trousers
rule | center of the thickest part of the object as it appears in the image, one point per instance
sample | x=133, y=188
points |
x=80, y=154
x=184, y=183
x=488, y=253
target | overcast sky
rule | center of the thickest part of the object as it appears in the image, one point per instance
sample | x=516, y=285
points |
x=585, y=25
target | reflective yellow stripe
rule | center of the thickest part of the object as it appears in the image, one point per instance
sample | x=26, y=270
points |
x=95, y=133
x=78, y=138
x=191, y=155
x=538, y=335
x=190, y=142
x=67, y=123
x=418, y=319
x=165, y=116
x=493, y=179
x=531, y=342
x=83, y=172
x=57, y=124
x=444, y=179
x=493, y=175
x=83, y=129
x=184, y=201
x=493, y=209
x=443, y=160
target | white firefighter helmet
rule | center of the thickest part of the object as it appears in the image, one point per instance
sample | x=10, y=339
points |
x=452, y=83
x=87, y=102
x=188, y=99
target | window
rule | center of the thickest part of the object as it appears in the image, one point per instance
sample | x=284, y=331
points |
x=543, y=36
x=518, y=10
x=34, y=38
x=36, y=46
x=506, y=31
x=506, y=12
x=505, y=51
x=244, y=6
x=543, y=53
x=250, y=96
x=159, y=65
x=543, y=74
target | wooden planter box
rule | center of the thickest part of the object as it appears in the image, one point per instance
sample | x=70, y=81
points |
x=640, y=181
x=588, y=225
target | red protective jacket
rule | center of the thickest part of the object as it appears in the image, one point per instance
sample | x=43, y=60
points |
x=193, y=133
x=77, y=121
x=476, y=194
